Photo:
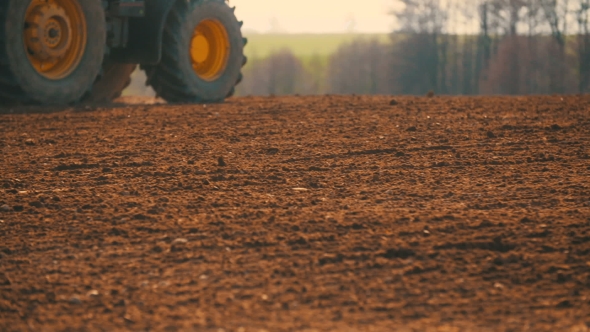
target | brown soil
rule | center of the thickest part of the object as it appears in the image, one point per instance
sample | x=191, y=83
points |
x=298, y=214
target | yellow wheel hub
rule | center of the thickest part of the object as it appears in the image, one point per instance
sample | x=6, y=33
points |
x=55, y=36
x=209, y=49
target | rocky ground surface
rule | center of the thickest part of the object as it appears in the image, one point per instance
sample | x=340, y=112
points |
x=297, y=214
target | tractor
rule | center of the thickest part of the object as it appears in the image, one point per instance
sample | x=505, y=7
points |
x=64, y=52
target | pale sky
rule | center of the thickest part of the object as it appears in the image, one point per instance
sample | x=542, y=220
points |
x=315, y=16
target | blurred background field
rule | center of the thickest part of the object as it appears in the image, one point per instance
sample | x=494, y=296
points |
x=261, y=46
x=310, y=49
x=450, y=47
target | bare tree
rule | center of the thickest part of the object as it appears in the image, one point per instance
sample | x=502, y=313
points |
x=425, y=20
x=359, y=67
x=583, y=41
x=556, y=14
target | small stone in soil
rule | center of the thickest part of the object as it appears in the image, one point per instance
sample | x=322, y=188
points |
x=412, y=129
x=5, y=207
x=491, y=134
x=36, y=204
x=221, y=162
x=75, y=300
x=393, y=102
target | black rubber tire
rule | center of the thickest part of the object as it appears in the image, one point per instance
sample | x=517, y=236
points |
x=173, y=78
x=115, y=77
x=20, y=82
x=241, y=76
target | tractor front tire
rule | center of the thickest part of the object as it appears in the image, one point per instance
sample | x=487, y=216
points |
x=50, y=51
x=202, y=53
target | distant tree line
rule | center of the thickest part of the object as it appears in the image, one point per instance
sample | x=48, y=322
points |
x=449, y=47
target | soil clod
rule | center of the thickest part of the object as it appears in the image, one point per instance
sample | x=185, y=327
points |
x=221, y=162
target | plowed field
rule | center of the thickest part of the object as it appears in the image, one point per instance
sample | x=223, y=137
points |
x=298, y=214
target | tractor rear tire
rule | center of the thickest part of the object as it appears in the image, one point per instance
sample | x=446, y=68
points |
x=202, y=53
x=24, y=74
x=111, y=83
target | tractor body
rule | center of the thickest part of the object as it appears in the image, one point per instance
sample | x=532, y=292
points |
x=137, y=28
